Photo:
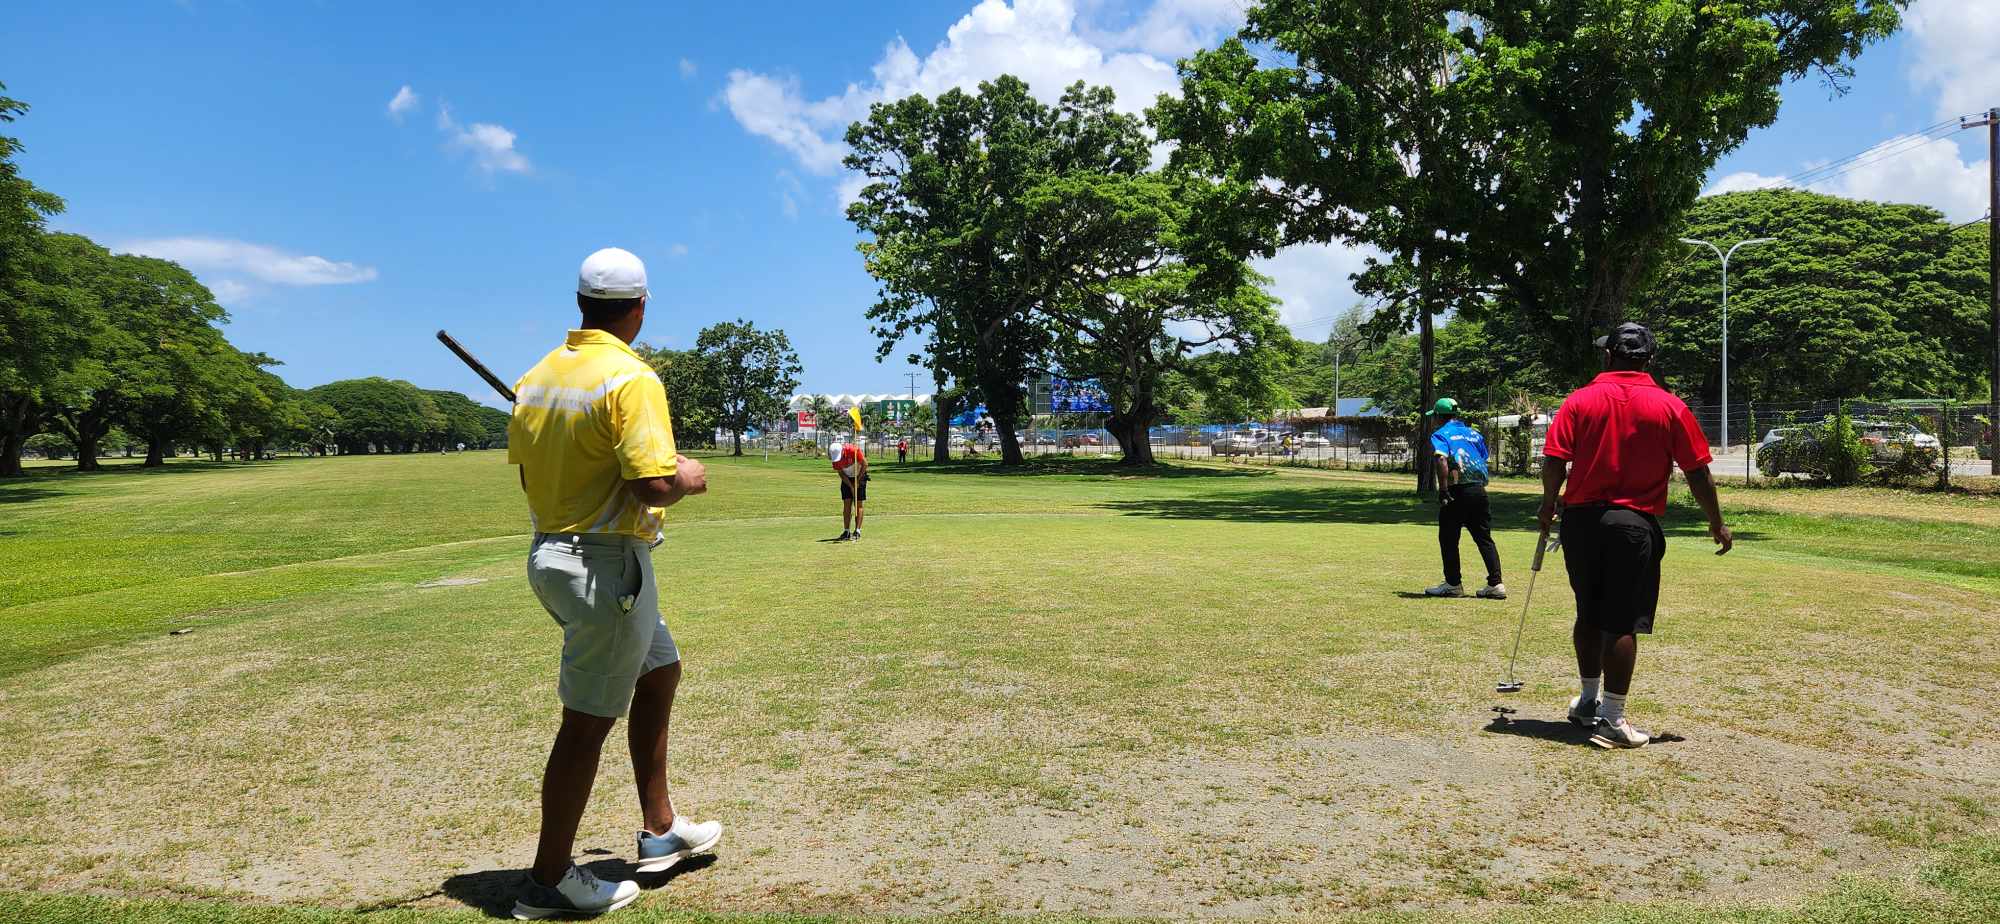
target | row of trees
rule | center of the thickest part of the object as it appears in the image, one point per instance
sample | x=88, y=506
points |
x=1526, y=164
x=1849, y=299
x=95, y=344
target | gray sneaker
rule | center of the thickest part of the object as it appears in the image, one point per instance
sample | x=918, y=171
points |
x=659, y=853
x=1582, y=712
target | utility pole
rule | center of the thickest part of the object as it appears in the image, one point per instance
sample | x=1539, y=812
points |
x=1991, y=121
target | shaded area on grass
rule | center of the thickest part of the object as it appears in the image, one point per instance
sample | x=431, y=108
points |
x=1073, y=465
x=492, y=892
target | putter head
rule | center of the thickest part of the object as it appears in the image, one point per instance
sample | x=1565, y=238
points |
x=1507, y=686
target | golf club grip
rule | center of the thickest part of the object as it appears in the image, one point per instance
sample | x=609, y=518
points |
x=1541, y=549
x=477, y=366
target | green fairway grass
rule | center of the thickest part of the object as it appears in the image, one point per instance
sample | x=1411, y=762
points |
x=1069, y=690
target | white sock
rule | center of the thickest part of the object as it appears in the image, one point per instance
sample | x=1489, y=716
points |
x=1590, y=685
x=1611, y=708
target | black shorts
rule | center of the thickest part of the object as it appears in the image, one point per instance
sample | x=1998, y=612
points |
x=849, y=491
x=1613, y=555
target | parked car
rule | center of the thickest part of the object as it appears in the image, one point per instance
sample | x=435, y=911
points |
x=1233, y=444
x=1789, y=449
x=1080, y=440
x=1311, y=441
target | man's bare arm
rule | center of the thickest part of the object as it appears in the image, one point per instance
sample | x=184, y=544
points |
x=689, y=478
x=1554, y=472
x=1702, y=483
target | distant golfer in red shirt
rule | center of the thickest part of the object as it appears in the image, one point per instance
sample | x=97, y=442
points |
x=1616, y=441
x=852, y=467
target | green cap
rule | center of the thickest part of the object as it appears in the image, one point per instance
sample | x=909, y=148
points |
x=1445, y=407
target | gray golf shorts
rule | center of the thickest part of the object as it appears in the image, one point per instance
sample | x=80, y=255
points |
x=599, y=587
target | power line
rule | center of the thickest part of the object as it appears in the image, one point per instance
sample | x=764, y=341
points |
x=1887, y=150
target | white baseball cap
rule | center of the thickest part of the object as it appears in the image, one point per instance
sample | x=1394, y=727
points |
x=612, y=273
x=835, y=451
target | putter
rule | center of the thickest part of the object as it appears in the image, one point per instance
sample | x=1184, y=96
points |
x=1542, y=545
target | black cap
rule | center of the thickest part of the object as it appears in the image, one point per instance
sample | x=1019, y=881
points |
x=1628, y=339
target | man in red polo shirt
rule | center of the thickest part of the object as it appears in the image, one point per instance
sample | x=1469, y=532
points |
x=1616, y=441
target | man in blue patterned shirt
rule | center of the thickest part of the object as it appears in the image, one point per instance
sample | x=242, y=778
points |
x=1459, y=453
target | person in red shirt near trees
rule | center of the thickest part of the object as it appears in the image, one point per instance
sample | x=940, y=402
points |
x=1616, y=441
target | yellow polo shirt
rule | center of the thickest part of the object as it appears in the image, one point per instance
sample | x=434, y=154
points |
x=587, y=418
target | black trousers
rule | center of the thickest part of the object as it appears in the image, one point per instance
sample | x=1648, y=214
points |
x=1468, y=511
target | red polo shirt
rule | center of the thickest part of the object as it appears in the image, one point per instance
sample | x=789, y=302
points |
x=1622, y=434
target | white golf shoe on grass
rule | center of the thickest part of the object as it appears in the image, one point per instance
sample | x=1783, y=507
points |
x=1582, y=712
x=659, y=853
x=1492, y=592
x=578, y=894
x=1444, y=590
x=1621, y=733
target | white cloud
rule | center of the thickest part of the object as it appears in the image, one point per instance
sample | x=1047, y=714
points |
x=1174, y=29
x=1039, y=41
x=229, y=291
x=492, y=146
x=788, y=194
x=1742, y=180
x=688, y=69
x=678, y=250
x=258, y=261
x=1952, y=53
x=1311, y=281
x=405, y=100
x=1901, y=169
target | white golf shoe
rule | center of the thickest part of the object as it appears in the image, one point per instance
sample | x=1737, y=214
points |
x=659, y=853
x=1444, y=590
x=1492, y=592
x=1622, y=734
x=1582, y=712
x=578, y=894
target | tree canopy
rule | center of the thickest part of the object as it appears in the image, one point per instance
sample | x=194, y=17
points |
x=1849, y=298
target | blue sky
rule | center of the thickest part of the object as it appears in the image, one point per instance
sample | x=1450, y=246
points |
x=350, y=177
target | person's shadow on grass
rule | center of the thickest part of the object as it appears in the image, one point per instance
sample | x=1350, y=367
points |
x=493, y=891
x=1559, y=732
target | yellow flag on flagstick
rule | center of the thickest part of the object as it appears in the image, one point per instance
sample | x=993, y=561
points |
x=854, y=413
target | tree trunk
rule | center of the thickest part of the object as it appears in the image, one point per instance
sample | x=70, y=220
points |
x=86, y=450
x=1427, y=346
x=156, y=452
x=736, y=442
x=1134, y=439
x=10, y=453
x=941, y=410
x=17, y=423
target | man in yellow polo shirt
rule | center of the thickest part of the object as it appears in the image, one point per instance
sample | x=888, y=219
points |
x=591, y=433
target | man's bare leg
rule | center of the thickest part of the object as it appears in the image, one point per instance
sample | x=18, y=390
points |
x=846, y=516
x=857, y=515
x=646, y=733
x=1589, y=644
x=566, y=783
x=1621, y=654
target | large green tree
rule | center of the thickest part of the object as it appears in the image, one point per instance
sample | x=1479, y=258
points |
x=381, y=415
x=948, y=239
x=1537, y=151
x=1129, y=305
x=155, y=360
x=750, y=375
x=43, y=323
x=691, y=403
x=1848, y=299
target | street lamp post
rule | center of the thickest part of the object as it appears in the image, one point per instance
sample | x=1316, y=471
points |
x=1724, y=256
